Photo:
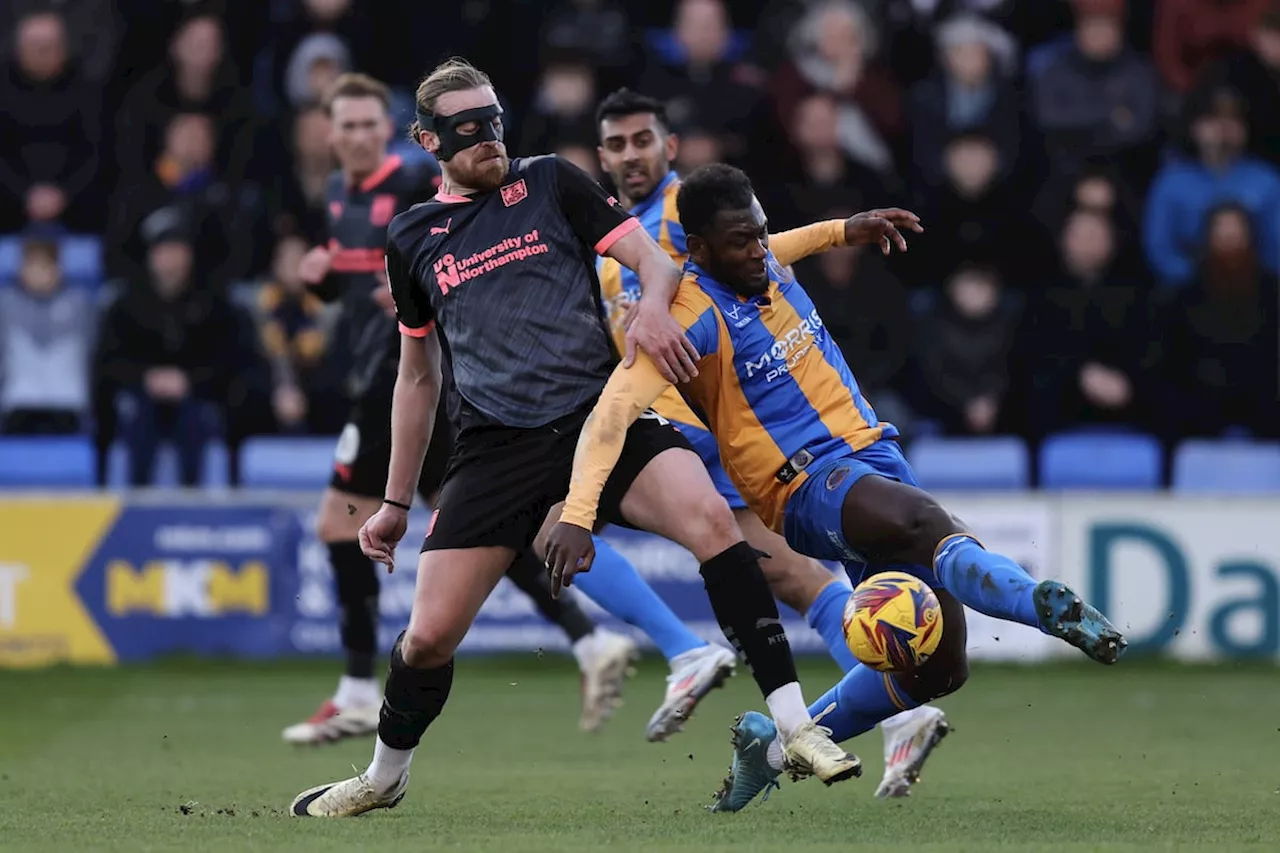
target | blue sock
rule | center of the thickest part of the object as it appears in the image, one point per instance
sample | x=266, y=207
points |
x=614, y=584
x=862, y=699
x=990, y=583
x=826, y=616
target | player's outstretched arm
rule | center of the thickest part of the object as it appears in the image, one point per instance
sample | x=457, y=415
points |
x=883, y=227
x=627, y=394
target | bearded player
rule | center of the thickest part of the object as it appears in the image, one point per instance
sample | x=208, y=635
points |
x=369, y=188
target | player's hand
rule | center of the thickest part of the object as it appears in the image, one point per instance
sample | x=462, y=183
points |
x=569, y=551
x=882, y=226
x=315, y=265
x=381, y=534
x=656, y=332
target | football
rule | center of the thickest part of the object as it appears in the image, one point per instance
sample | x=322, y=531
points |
x=893, y=622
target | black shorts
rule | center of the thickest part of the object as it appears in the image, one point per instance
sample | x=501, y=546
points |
x=502, y=481
x=363, y=455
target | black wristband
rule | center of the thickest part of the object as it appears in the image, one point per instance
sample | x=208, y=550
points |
x=404, y=507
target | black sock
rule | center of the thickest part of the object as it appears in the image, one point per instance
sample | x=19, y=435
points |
x=357, y=584
x=528, y=573
x=413, y=699
x=748, y=615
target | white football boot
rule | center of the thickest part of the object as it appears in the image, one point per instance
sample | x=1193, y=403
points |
x=347, y=798
x=351, y=712
x=606, y=660
x=694, y=674
x=909, y=739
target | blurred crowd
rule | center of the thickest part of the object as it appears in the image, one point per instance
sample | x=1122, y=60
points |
x=1099, y=181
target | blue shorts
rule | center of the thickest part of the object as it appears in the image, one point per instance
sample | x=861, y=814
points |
x=704, y=444
x=813, y=522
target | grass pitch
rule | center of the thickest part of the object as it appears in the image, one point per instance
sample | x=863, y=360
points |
x=186, y=756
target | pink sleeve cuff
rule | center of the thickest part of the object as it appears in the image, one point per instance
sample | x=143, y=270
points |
x=417, y=333
x=622, y=230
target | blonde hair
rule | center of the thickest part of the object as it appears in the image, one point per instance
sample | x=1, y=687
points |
x=452, y=75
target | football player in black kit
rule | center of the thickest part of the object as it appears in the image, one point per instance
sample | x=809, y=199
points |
x=501, y=262
x=370, y=187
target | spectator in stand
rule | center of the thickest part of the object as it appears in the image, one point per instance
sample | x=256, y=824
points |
x=962, y=347
x=299, y=191
x=283, y=70
x=974, y=211
x=49, y=131
x=168, y=352
x=970, y=90
x=1222, y=334
x=563, y=107
x=1099, y=187
x=45, y=345
x=1086, y=337
x=823, y=176
x=1191, y=35
x=93, y=31
x=1255, y=73
x=864, y=309
x=294, y=330
x=226, y=219
x=833, y=49
x=316, y=63
x=1185, y=190
x=704, y=80
x=1099, y=97
x=198, y=78
x=597, y=29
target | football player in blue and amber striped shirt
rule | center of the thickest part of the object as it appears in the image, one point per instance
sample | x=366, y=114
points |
x=812, y=459
x=637, y=149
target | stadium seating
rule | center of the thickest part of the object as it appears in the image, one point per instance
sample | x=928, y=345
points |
x=1101, y=460
x=1000, y=462
x=1251, y=467
x=216, y=472
x=280, y=462
x=47, y=462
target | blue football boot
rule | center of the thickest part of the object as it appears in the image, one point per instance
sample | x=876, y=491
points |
x=1065, y=615
x=751, y=771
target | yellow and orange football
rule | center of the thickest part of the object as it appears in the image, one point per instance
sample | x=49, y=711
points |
x=893, y=622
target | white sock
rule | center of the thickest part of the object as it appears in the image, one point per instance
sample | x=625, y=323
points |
x=773, y=754
x=357, y=693
x=388, y=767
x=582, y=648
x=786, y=706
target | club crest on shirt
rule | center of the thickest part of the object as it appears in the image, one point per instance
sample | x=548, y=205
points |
x=514, y=193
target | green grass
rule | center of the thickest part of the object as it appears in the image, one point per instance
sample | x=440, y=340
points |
x=186, y=756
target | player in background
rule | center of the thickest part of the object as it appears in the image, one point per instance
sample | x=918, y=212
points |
x=501, y=261
x=810, y=456
x=637, y=150
x=367, y=190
